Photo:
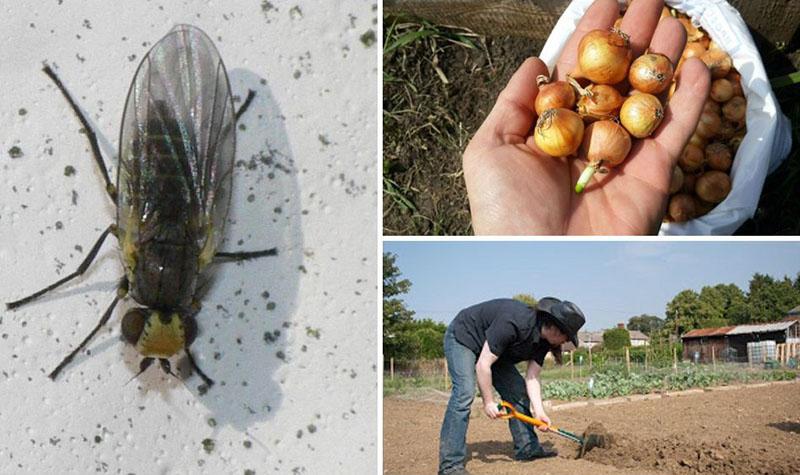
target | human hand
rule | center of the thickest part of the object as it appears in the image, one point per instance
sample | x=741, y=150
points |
x=491, y=410
x=515, y=188
x=543, y=417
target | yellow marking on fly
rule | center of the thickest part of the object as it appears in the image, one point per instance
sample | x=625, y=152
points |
x=209, y=248
x=128, y=244
x=160, y=339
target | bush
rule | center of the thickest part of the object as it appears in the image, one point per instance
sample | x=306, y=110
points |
x=616, y=338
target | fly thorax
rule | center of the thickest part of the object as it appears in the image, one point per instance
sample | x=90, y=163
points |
x=154, y=333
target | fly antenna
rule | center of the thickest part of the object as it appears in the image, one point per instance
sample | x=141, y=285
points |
x=142, y=367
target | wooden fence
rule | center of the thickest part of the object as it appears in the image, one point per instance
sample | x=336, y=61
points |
x=786, y=351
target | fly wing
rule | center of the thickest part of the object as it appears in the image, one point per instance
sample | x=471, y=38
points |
x=177, y=146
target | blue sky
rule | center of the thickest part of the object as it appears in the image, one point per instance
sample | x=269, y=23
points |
x=610, y=281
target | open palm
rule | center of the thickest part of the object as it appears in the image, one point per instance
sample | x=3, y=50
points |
x=514, y=188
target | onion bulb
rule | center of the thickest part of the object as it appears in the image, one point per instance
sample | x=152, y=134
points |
x=688, y=183
x=676, y=182
x=681, y=207
x=697, y=140
x=600, y=102
x=713, y=186
x=718, y=62
x=604, y=57
x=708, y=125
x=558, y=132
x=641, y=114
x=692, y=32
x=721, y=90
x=691, y=159
x=605, y=144
x=651, y=73
x=553, y=95
x=734, y=109
x=718, y=156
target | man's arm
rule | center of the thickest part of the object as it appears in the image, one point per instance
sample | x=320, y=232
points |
x=483, y=371
x=534, y=387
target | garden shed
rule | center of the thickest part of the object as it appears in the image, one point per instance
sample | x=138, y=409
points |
x=730, y=343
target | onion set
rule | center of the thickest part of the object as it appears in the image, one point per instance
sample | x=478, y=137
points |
x=605, y=145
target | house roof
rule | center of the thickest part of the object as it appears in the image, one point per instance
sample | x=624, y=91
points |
x=740, y=329
x=637, y=335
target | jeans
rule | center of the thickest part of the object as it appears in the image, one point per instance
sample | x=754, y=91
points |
x=508, y=382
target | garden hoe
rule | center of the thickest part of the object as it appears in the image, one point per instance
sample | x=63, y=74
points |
x=594, y=435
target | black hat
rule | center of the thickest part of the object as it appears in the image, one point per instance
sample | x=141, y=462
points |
x=567, y=315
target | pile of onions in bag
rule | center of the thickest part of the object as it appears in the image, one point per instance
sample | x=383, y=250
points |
x=701, y=179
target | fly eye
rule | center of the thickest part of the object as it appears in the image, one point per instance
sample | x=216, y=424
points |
x=133, y=324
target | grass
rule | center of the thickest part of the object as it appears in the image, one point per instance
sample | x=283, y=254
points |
x=413, y=114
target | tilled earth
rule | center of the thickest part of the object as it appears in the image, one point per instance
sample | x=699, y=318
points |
x=744, y=431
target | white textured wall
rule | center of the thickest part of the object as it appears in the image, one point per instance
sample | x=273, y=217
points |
x=302, y=399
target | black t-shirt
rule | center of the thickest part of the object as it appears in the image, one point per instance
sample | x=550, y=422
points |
x=509, y=326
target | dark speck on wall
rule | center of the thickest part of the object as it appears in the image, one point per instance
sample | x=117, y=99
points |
x=323, y=140
x=23, y=111
x=368, y=38
x=247, y=444
x=208, y=445
x=97, y=439
x=311, y=428
x=15, y=152
x=69, y=170
x=59, y=225
x=297, y=74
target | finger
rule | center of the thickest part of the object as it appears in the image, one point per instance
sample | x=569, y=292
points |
x=640, y=22
x=601, y=15
x=513, y=114
x=684, y=109
x=669, y=39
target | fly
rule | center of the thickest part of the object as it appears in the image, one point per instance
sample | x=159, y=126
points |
x=174, y=180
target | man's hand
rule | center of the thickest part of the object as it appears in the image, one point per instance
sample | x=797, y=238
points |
x=514, y=188
x=491, y=410
x=543, y=417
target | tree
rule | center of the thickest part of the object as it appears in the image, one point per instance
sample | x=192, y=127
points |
x=527, y=299
x=683, y=312
x=715, y=303
x=645, y=323
x=395, y=313
x=616, y=338
x=769, y=299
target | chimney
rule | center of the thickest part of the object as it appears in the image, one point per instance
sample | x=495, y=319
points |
x=621, y=325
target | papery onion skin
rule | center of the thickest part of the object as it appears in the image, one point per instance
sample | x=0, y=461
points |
x=718, y=156
x=651, y=73
x=676, y=182
x=558, y=132
x=734, y=110
x=641, y=114
x=681, y=207
x=604, y=57
x=555, y=95
x=602, y=102
x=713, y=186
x=692, y=158
x=718, y=62
x=708, y=125
x=721, y=90
x=605, y=144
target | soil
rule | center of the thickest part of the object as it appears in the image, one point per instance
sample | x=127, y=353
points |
x=427, y=125
x=744, y=431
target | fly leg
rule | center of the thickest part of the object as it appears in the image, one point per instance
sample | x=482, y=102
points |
x=209, y=382
x=121, y=292
x=243, y=256
x=98, y=158
x=81, y=269
x=250, y=95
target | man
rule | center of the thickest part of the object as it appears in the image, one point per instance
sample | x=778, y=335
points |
x=483, y=343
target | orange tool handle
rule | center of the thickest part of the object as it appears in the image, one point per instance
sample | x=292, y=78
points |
x=511, y=412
